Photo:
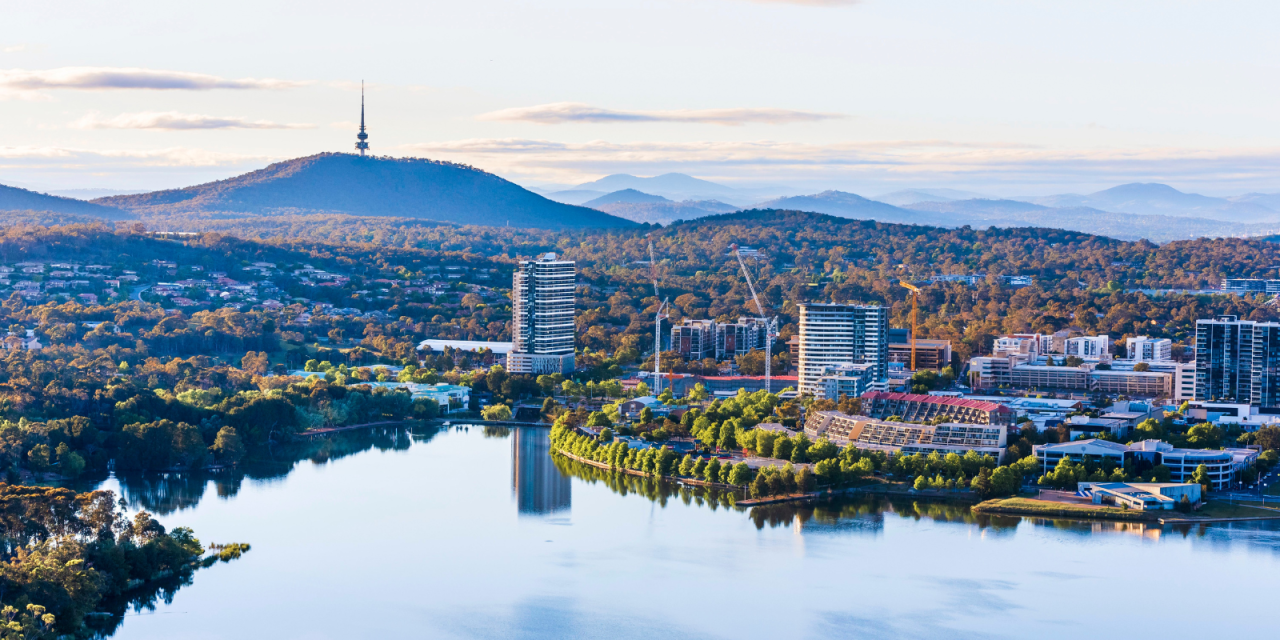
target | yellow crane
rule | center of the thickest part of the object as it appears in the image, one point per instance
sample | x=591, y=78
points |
x=915, y=308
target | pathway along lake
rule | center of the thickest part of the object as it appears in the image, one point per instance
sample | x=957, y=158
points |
x=473, y=532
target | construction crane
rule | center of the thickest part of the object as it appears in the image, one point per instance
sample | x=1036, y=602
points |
x=770, y=324
x=915, y=308
x=657, y=324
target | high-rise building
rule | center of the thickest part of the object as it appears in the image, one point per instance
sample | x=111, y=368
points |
x=694, y=339
x=1148, y=349
x=542, y=309
x=1238, y=361
x=836, y=334
x=732, y=340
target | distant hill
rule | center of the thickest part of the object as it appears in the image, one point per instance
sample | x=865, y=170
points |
x=573, y=196
x=626, y=196
x=1157, y=228
x=1162, y=199
x=851, y=205
x=15, y=199
x=678, y=187
x=912, y=196
x=667, y=212
x=370, y=186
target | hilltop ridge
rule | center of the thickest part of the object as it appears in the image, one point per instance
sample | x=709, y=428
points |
x=370, y=186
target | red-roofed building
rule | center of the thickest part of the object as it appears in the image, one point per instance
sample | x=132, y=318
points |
x=917, y=408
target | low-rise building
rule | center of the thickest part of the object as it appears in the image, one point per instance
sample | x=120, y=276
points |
x=1142, y=496
x=903, y=438
x=1222, y=465
x=934, y=355
x=922, y=408
x=850, y=380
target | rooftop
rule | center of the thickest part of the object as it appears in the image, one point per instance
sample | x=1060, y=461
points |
x=981, y=405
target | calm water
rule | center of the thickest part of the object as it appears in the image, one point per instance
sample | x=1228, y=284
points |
x=466, y=534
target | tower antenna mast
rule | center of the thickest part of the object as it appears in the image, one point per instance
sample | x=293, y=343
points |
x=361, y=145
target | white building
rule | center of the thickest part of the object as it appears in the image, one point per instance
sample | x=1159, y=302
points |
x=1222, y=465
x=850, y=380
x=1090, y=348
x=1147, y=349
x=542, y=306
x=838, y=334
x=906, y=438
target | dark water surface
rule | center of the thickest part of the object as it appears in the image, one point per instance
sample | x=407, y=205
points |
x=477, y=533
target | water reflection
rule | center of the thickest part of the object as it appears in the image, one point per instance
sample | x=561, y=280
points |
x=538, y=486
x=165, y=493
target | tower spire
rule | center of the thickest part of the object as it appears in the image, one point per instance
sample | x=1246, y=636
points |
x=361, y=137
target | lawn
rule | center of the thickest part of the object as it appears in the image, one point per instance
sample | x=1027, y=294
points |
x=1049, y=509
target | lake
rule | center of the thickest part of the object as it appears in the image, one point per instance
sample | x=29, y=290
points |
x=468, y=532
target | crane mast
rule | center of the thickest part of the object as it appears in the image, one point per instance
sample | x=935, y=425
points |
x=657, y=324
x=915, y=299
x=770, y=325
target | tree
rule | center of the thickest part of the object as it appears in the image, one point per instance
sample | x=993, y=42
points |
x=606, y=435
x=711, y=473
x=921, y=483
x=1201, y=477
x=740, y=474
x=254, y=362
x=1142, y=366
x=782, y=448
x=646, y=415
x=598, y=419
x=982, y=484
x=227, y=446
x=698, y=393
x=499, y=412
x=1161, y=473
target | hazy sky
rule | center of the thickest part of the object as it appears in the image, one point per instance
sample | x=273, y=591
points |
x=1010, y=97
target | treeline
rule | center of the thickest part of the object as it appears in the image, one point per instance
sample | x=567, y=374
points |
x=68, y=554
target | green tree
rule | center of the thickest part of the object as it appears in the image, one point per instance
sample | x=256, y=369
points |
x=711, y=473
x=227, y=446
x=1201, y=477
x=782, y=448
x=921, y=483
x=646, y=415
x=606, y=435
x=496, y=412
x=1161, y=473
x=982, y=483
x=740, y=475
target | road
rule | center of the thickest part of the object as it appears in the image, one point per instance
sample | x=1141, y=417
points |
x=136, y=294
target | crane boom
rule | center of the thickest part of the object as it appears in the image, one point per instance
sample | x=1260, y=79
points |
x=769, y=325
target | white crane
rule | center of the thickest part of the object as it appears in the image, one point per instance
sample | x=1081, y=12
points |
x=770, y=324
x=657, y=324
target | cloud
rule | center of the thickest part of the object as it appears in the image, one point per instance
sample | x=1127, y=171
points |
x=104, y=78
x=174, y=121
x=75, y=159
x=14, y=48
x=567, y=112
x=883, y=163
x=812, y=3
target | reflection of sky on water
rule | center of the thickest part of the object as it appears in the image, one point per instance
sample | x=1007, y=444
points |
x=419, y=536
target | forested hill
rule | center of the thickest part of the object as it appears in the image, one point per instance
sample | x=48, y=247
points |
x=15, y=199
x=371, y=186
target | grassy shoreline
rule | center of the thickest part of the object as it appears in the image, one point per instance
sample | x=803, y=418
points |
x=1047, y=509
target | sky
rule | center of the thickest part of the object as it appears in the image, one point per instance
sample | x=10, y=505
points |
x=1004, y=98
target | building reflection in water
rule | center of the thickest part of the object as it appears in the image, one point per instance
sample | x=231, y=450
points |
x=537, y=485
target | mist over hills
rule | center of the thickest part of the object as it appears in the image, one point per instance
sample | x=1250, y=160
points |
x=850, y=205
x=1162, y=199
x=15, y=199
x=912, y=196
x=369, y=186
x=626, y=196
